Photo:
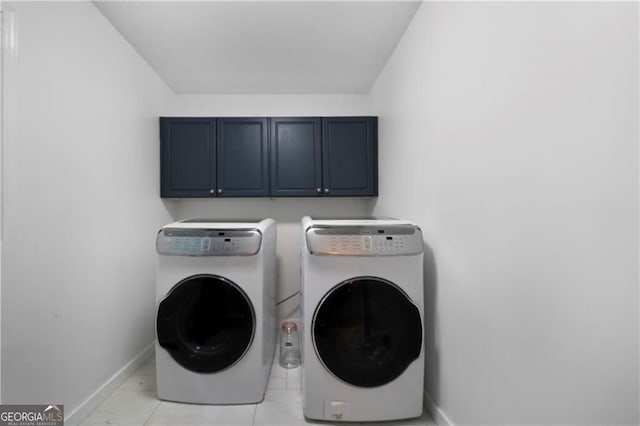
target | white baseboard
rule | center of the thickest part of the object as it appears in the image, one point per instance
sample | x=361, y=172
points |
x=435, y=412
x=78, y=414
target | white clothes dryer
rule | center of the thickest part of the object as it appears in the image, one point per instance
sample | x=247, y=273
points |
x=362, y=302
x=215, y=310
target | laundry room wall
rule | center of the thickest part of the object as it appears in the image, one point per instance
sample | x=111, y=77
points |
x=512, y=131
x=286, y=211
x=81, y=206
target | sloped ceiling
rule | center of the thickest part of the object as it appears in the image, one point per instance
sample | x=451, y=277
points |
x=261, y=47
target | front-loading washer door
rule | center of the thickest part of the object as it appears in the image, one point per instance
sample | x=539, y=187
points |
x=206, y=323
x=366, y=331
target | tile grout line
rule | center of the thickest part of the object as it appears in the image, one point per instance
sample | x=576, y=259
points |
x=255, y=410
x=146, y=422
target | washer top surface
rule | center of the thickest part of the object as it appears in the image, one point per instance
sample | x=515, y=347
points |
x=206, y=224
x=213, y=237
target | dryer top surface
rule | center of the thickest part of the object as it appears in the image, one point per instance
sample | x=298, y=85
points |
x=361, y=237
x=372, y=221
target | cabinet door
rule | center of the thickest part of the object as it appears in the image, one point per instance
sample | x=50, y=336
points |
x=296, y=157
x=242, y=166
x=349, y=154
x=187, y=157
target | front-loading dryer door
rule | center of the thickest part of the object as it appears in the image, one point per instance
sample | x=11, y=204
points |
x=206, y=323
x=366, y=331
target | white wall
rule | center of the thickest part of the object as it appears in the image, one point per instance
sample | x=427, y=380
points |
x=286, y=211
x=512, y=130
x=81, y=205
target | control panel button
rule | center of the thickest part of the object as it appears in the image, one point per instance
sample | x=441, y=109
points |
x=205, y=244
x=367, y=243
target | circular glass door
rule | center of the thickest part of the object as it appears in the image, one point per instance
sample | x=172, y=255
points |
x=366, y=331
x=206, y=323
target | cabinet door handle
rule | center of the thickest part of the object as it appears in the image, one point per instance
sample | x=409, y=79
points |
x=318, y=190
x=219, y=190
x=212, y=191
x=326, y=190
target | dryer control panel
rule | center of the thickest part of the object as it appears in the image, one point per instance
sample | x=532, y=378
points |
x=208, y=242
x=395, y=240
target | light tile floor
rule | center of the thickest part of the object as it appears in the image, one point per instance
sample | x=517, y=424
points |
x=135, y=403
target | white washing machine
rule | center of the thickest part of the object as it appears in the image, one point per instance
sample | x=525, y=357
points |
x=363, y=347
x=215, y=310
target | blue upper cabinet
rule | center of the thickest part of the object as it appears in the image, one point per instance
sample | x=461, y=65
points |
x=187, y=157
x=209, y=157
x=296, y=157
x=330, y=156
x=350, y=156
x=243, y=157
x=262, y=157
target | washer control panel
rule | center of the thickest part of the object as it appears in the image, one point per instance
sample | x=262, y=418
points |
x=208, y=242
x=395, y=240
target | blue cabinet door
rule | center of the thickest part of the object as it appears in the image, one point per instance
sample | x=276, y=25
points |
x=242, y=166
x=349, y=156
x=187, y=157
x=296, y=157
